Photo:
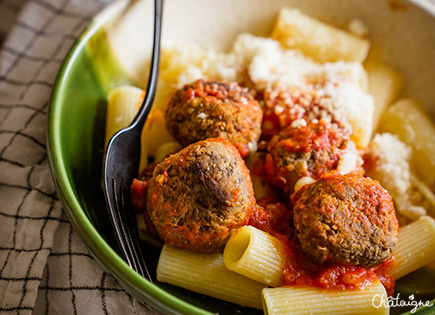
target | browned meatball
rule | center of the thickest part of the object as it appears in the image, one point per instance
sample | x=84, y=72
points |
x=197, y=196
x=307, y=149
x=203, y=110
x=346, y=219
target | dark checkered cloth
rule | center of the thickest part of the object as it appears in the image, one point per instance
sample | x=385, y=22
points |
x=44, y=266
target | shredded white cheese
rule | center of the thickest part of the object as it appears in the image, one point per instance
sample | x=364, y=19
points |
x=298, y=123
x=266, y=64
x=392, y=169
x=188, y=76
x=344, y=83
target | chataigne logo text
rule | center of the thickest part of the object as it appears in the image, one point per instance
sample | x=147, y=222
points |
x=379, y=300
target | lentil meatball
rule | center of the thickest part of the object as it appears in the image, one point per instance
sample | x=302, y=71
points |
x=345, y=219
x=307, y=149
x=203, y=110
x=197, y=196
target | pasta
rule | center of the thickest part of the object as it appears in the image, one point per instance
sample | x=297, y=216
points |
x=206, y=274
x=416, y=247
x=122, y=105
x=256, y=255
x=423, y=195
x=165, y=150
x=384, y=85
x=250, y=248
x=261, y=187
x=153, y=135
x=391, y=167
x=297, y=300
x=407, y=119
x=316, y=39
x=253, y=260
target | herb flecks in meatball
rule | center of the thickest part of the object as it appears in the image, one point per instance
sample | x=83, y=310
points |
x=307, y=150
x=203, y=110
x=199, y=195
x=346, y=219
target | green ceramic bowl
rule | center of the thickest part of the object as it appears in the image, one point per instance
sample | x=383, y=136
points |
x=77, y=122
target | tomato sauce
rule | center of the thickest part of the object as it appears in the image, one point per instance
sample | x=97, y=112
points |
x=277, y=219
x=214, y=90
x=138, y=197
x=138, y=193
x=274, y=215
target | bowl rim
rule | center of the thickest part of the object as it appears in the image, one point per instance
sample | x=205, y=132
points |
x=426, y=5
x=157, y=298
x=154, y=296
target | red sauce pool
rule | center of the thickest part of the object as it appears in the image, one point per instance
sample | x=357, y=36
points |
x=276, y=219
x=273, y=216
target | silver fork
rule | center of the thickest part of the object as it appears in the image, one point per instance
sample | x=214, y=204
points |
x=121, y=163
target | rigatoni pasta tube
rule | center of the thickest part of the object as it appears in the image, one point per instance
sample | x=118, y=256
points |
x=206, y=274
x=261, y=187
x=256, y=255
x=155, y=133
x=415, y=248
x=318, y=40
x=309, y=300
x=423, y=195
x=384, y=85
x=122, y=105
x=166, y=149
x=408, y=120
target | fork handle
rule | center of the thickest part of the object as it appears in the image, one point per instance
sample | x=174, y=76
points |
x=139, y=121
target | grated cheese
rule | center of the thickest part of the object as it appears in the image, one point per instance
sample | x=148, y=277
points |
x=299, y=123
x=344, y=83
x=265, y=63
x=189, y=75
x=392, y=170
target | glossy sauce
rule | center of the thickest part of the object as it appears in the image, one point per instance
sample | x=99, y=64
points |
x=276, y=218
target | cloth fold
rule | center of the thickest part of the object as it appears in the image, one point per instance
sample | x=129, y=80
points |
x=45, y=267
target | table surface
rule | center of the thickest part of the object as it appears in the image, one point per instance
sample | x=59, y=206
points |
x=45, y=268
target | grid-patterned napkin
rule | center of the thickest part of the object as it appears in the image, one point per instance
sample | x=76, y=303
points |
x=44, y=266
